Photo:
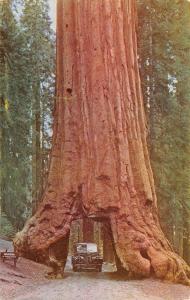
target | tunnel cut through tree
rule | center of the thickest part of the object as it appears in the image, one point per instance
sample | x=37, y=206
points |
x=100, y=166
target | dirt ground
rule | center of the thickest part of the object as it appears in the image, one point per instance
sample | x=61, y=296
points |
x=27, y=282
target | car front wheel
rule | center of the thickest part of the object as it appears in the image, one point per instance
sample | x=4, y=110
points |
x=99, y=269
x=75, y=269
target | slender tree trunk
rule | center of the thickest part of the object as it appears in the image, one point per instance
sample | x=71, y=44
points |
x=178, y=238
x=36, y=148
x=2, y=71
x=3, y=92
x=108, y=253
x=100, y=165
x=76, y=235
x=88, y=230
x=34, y=177
x=1, y=157
x=186, y=237
x=98, y=236
x=43, y=151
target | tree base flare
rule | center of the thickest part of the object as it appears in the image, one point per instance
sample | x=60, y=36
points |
x=144, y=252
x=138, y=254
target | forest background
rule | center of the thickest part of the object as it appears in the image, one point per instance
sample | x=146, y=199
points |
x=27, y=97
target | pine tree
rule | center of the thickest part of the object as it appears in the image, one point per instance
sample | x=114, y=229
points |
x=164, y=43
x=25, y=105
x=39, y=60
x=12, y=177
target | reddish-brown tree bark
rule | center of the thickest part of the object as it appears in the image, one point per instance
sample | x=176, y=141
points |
x=100, y=165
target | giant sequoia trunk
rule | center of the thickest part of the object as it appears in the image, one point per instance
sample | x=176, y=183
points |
x=100, y=165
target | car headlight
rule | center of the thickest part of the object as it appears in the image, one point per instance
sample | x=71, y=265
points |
x=78, y=258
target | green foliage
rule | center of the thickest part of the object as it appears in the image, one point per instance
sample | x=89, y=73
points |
x=27, y=82
x=38, y=59
x=6, y=228
x=164, y=44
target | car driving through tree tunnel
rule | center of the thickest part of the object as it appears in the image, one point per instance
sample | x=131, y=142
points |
x=86, y=257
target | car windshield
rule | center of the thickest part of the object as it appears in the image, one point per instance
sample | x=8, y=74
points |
x=84, y=248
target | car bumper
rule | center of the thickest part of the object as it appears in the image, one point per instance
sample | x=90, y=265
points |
x=87, y=267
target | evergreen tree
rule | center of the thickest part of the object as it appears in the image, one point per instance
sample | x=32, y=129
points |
x=164, y=43
x=13, y=167
x=39, y=60
x=29, y=85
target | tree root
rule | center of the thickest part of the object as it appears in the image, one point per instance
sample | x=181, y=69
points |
x=142, y=256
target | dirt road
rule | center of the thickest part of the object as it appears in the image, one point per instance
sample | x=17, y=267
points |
x=105, y=287
x=27, y=282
